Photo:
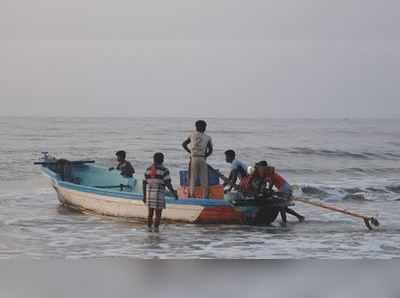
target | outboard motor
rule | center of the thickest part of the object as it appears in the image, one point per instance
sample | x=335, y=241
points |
x=63, y=168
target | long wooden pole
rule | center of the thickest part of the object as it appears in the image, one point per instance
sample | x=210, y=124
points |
x=367, y=219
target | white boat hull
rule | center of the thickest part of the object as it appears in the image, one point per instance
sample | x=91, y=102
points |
x=122, y=207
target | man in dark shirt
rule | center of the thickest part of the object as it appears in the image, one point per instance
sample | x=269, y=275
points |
x=124, y=166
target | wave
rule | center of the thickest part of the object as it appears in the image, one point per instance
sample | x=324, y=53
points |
x=349, y=171
x=355, y=197
x=336, y=153
x=346, y=193
x=377, y=190
x=333, y=194
x=393, y=188
x=310, y=190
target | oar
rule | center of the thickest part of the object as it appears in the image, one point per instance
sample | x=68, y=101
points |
x=368, y=220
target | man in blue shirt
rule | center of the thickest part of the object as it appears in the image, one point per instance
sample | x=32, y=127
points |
x=238, y=169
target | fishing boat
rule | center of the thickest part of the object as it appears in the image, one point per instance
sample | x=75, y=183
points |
x=84, y=186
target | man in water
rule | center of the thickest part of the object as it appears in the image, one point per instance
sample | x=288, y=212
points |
x=124, y=166
x=157, y=178
x=265, y=178
x=275, y=180
x=201, y=149
x=238, y=170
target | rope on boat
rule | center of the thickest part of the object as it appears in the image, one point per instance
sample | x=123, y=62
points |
x=121, y=186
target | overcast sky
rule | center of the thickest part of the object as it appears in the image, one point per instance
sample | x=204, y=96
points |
x=200, y=58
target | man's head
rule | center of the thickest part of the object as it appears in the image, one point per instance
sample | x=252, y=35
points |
x=270, y=171
x=201, y=126
x=261, y=168
x=158, y=158
x=121, y=155
x=230, y=156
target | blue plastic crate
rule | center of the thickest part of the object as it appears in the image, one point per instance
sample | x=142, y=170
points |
x=213, y=178
x=184, y=177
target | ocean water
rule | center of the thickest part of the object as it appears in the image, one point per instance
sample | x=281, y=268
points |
x=353, y=164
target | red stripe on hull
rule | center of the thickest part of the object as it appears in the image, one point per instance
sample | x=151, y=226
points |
x=219, y=215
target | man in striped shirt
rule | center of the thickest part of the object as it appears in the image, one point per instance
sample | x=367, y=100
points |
x=157, y=178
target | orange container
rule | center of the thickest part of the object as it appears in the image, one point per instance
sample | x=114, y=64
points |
x=215, y=192
x=183, y=192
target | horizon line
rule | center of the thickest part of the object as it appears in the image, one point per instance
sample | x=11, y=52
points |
x=202, y=117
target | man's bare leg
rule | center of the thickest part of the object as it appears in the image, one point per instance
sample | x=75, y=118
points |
x=157, y=220
x=283, y=216
x=294, y=213
x=150, y=218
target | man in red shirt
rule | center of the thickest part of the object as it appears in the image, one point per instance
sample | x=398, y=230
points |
x=265, y=177
x=275, y=180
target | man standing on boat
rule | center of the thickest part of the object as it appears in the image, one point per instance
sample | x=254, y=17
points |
x=157, y=177
x=201, y=149
x=238, y=170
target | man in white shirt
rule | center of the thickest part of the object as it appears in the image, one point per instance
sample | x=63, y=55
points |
x=238, y=169
x=201, y=148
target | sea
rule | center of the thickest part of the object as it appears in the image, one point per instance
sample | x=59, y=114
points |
x=351, y=164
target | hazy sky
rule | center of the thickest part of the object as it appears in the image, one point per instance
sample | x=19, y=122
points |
x=201, y=58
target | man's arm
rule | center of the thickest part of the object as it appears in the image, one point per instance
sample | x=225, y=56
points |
x=185, y=145
x=220, y=175
x=271, y=181
x=233, y=176
x=168, y=184
x=144, y=190
x=209, y=149
x=130, y=169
